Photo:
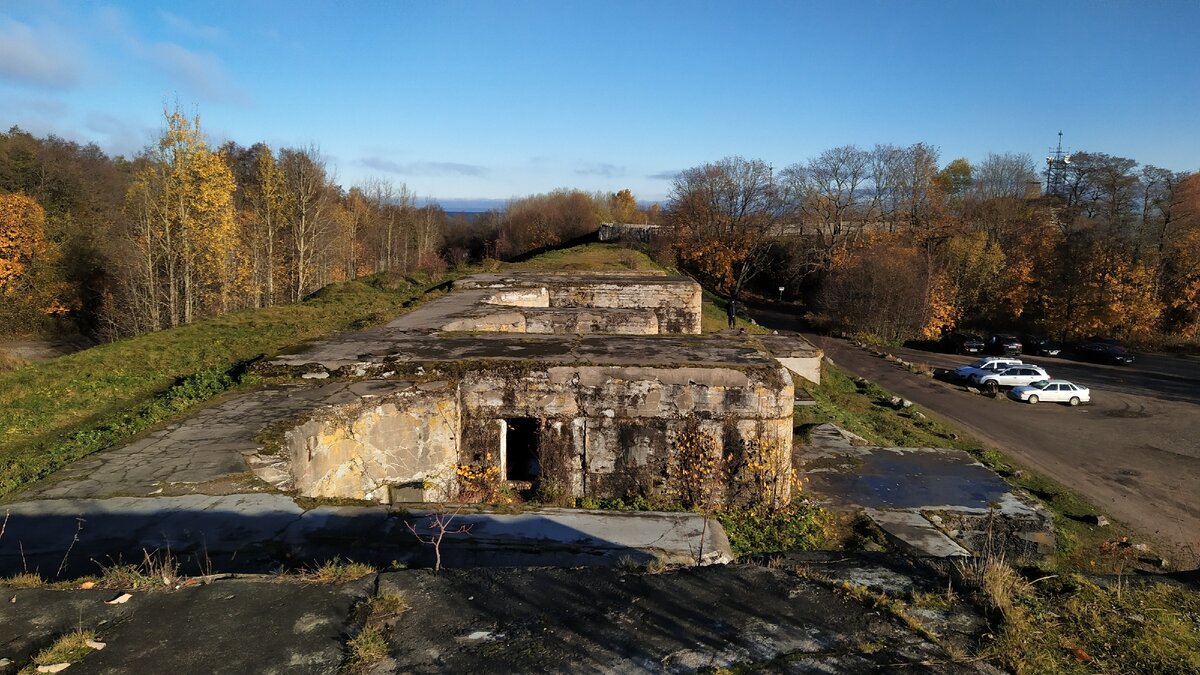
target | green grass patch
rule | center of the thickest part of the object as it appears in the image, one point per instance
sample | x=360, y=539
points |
x=714, y=317
x=588, y=258
x=796, y=527
x=860, y=407
x=56, y=411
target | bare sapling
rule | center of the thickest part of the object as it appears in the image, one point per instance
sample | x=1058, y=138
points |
x=439, y=523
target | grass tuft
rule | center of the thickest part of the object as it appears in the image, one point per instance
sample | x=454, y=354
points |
x=68, y=648
x=366, y=649
x=337, y=571
x=24, y=580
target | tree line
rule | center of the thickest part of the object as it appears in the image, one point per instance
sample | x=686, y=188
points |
x=889, y=243
x=110, y=246
x=884, y=241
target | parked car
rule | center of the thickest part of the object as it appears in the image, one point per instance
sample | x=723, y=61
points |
x=988, y=364
x=1039, y=346
x=1014, y=376
x=962, y=343
x=1056, y=391
x=1003, y=344
x=1105, y=352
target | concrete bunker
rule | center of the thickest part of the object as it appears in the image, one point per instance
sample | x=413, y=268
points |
x=590, y=407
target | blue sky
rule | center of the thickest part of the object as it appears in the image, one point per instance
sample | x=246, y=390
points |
x=479, y=100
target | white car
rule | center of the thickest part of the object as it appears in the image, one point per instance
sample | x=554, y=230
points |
x=1013, y=376
x=1057, y=391
x=989, y=364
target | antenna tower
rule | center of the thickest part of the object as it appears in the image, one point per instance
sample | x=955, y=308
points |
x=1056, y=169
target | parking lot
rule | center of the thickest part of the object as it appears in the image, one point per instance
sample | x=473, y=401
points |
x=1134, y=451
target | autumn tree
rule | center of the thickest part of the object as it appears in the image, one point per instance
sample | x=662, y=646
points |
x=22, y=237
x=882, y=290
x=30, y=285
x=827, y=196
x=530, y=223
x=306, y=214
x=182, y=203
x=623, y=207
x=726, y=220
x=957, y=177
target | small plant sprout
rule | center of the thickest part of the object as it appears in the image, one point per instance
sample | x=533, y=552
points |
x=438, y=523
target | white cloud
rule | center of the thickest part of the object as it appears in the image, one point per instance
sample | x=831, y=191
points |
x=424, y=168
x=41, y=56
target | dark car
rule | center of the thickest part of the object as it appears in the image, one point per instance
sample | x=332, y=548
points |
x=1106, y=352
x=962, y=343
x=1003, y=344
x=1039, y=346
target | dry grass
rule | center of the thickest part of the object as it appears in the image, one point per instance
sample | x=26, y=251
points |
x=10, y=361
x=337, y=571
x=159, y=570
x=24, y=580
x=68, y=648
x=365, y=650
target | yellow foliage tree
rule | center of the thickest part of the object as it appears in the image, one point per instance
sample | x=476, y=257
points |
x=22, y=236
x=31, y=285
x=182, y=201
x=1117, y=296
x=1184, y=281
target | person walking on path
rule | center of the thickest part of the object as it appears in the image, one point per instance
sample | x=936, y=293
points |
x=731, y=309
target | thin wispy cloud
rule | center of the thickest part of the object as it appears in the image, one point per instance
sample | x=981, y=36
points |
x=121, y=137
x=663, y=175
x=605, y=170
x=200, y=73
x=41, y=56
x=190, y=28
x=424, y=168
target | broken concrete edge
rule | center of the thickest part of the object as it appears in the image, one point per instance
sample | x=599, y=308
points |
x=1015, y=523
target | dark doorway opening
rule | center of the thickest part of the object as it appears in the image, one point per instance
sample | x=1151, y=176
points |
x=521, y=448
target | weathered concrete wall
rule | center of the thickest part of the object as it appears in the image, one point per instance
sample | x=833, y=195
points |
x=603, y=431
x=677, y=305
x=610, y=429
x=675, y=301
x=796, y=354
x=559, y=321
x=520, y=297
x=362, y=450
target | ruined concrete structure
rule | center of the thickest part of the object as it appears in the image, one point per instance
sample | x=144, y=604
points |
x=571, y=385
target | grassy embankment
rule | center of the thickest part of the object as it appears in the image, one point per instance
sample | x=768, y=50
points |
x=53, y=412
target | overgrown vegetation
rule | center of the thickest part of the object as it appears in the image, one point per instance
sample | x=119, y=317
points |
x=1069, y=623
x=799, y=526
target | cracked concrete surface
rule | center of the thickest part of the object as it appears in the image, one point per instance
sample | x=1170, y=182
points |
x=932, y=501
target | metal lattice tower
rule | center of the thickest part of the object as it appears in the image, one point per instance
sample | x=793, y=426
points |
x=1056, y=169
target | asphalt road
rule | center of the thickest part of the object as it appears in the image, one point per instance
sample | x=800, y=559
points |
x=1135, y=451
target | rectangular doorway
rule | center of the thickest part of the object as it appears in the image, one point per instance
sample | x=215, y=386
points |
x=521, y=460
